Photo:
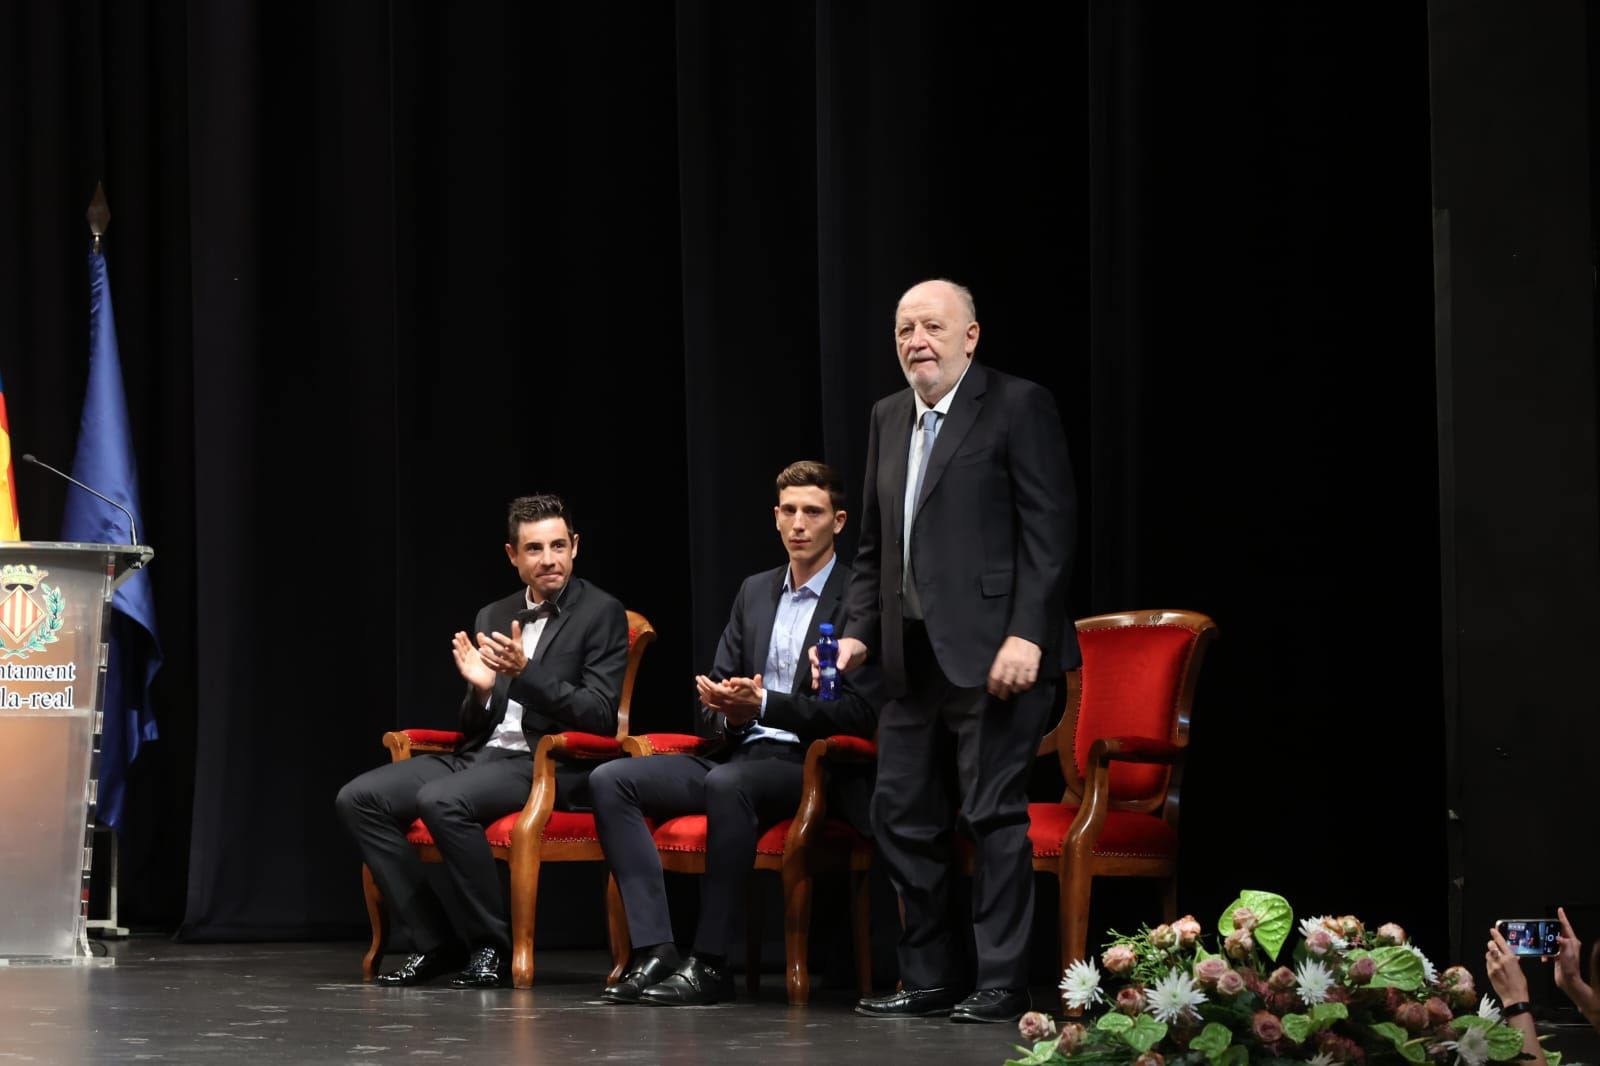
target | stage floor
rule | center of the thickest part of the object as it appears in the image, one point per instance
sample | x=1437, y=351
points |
x=297, y=1003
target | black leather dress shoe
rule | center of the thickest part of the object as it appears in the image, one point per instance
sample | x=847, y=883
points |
x=486, y=968
x=992, y=1005
x=910, y=1003
x=646, y=967
x=421, y=967
x=696, y=983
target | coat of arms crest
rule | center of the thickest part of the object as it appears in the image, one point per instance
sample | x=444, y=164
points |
x=30, y=611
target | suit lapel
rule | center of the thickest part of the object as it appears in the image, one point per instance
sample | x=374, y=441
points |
x=892, y=464
x=964, y=411
x=827, y=604
x=553, y=626
x=764, y=614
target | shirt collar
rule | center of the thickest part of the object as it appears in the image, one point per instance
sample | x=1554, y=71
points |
x=943, y=406
x=527, y=595
x=818, y=579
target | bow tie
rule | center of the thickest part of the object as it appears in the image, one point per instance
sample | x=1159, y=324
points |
x=547, y=609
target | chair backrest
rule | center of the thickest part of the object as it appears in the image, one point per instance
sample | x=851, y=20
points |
x=1138, y=679
x=640, y=635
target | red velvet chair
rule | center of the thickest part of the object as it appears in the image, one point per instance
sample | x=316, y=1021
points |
x=1121, y=741
x=528, y=838
x=798, y=849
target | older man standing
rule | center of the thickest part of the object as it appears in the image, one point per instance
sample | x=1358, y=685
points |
x=959, y=590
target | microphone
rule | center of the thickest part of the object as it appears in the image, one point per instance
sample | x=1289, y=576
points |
x=133, y=530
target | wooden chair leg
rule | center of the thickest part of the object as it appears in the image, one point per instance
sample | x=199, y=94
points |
x=753, y=927
x=861, y=904
x=378, y=917
x=797, y=929
x=616, y=930
x=524, y=906
x=1075, y=881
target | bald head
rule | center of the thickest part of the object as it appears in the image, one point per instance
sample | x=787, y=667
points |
x=935, y=334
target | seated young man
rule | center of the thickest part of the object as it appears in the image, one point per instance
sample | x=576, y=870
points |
x=759, y=705
x=549, y=657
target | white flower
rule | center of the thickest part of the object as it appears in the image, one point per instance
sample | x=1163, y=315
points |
x=1314, y=925
x=1321, y=1058
x=1472, y=1049
x=1429, y=972
x=1487, y=1009
x=1312, y=982
x=1174, y=997
x=1080, y=986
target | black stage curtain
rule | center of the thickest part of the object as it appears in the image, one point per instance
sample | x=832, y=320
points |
x=380, y=267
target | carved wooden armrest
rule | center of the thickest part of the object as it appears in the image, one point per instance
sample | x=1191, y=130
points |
x=1097, y=791
x=813, y=807
x=1132, y=749
x=404, y=743
x=665, y=744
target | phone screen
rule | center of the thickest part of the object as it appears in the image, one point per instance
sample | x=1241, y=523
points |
x=1531, y=936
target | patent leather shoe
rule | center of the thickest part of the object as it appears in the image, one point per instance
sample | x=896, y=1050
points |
x=696, y=983
x=486, y=968
x=422, y=967
x=909, y=1003
x=992, y=1005
x=646, y=967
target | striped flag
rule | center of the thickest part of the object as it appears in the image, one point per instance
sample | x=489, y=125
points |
x=10, y=527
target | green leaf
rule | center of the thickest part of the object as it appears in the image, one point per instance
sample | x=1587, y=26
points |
x=1392, y=1032
x=1296, y=1027
x=1410, y=1050
x=1236, y=1055
x=1145, y=1034
x=1553, y=1058
x=1397, y=967
x=1043, y=1053
x=1325, y=1014
x=1505, y=1043
x=1113, y=1022
x=1413, y=1051
x=1274, y=919
x=1200, y=952
x=1213, y=1040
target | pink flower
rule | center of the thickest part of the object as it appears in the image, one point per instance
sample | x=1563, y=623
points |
x=1439, y=1013
x=1457, y=983
x=1206, y=971
x=1034, y=1027
x=1281, y=1003
x=1119, y=959
x=1240, y=944
x=1130, y=1001
x=1412, y=1017
x=1390, y=933
x=1071, y=1036
x=1281, y=979
x=1319, y=943
x=1150, y=1058
x=1339, y=1048
x=1266, y=1027
x=1164, y=937
x=1245, y=918
x=1188, y=930
x=1231, y=984
x=1362, y=970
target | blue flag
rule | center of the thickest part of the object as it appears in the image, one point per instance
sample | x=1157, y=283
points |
x=105, y=461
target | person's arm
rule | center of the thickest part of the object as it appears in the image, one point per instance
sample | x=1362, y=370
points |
x=854, y=713
x=479, y=676
x=1569, y=972
x=714, y=696
x=1506, y=977
x=589, y=704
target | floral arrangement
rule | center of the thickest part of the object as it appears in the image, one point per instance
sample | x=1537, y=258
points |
x=1346, y=995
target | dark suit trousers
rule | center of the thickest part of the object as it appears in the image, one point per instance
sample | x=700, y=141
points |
x=455, y=796
x=912, y=812
x=758, y=786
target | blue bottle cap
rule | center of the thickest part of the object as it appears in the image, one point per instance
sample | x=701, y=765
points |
x=825, y=629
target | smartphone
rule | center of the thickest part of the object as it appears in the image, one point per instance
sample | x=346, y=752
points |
x=1530, y=936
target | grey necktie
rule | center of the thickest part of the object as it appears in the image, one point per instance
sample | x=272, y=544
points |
x=930, y=430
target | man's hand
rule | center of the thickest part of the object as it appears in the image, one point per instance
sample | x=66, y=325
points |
x=738, y=699
x=478, y=674
x=504, y=654
x=852, y=653
x=1015, y=669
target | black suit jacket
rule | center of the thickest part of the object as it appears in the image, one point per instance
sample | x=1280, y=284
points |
x=992, y=537
x=742, y=652
x=573, y=680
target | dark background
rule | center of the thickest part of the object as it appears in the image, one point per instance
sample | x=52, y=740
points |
x=380, y=267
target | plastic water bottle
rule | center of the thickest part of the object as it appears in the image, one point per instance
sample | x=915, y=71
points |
x=827, y=663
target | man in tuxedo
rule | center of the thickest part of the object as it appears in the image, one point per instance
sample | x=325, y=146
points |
x=547, y=658
x=761, y=710
x=959, y=593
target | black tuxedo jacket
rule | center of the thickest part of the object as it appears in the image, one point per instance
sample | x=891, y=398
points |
x=573, y=679
x=992, y=536
x=742, y=652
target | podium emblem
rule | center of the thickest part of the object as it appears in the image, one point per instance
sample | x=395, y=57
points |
x=30, y=611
